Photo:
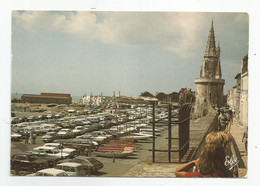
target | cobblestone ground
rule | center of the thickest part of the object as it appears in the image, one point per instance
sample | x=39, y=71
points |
x=237, y=132
x=153, y=170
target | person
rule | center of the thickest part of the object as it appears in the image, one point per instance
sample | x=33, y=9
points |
x=226, y=144
x=222, y=119
x=211, y=162
x=229, y=119
x=244, y=139
x=33, y=138
x=26, y=137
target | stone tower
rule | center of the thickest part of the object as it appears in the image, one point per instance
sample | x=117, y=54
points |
x=209, y=87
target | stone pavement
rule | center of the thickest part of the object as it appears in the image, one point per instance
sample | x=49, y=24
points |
x=163, y=170
x=238, y=147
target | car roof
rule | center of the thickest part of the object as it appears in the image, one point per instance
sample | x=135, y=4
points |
x=52, y=144
x=83, y=157
x=52, y=171
x=51, y=132
x=44, y=147
x=23, y=154
x=70, y=164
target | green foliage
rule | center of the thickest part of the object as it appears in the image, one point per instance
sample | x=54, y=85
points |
x=146, y=94
x=161, y=96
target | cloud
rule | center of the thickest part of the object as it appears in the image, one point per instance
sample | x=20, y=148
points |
x=180, y=33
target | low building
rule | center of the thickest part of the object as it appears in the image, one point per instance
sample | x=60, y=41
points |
x=94, y=100
x=47, y=98
x=244, y=91
x=238, y=96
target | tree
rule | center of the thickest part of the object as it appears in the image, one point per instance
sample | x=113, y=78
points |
x=174, y=96
x=160, y=96
x=147, y=94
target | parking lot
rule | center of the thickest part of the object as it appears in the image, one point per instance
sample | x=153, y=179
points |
x=112, y=168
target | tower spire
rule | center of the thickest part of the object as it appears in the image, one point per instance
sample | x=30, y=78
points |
x=218, y=67
x=211, y=46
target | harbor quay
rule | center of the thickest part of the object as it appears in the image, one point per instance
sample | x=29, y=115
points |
x=129, y=124
x=123, y=126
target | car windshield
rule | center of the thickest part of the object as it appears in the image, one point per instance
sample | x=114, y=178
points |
x=77, y=160
x=72, y=169
x=47, y=174
x=62, y=174
x=93, y=161
x=59, y=167
x=55, y=150
x=39, y=174
x=32, y=157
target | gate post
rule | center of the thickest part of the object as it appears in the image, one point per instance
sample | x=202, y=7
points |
x=169, y=132
x=153, y=132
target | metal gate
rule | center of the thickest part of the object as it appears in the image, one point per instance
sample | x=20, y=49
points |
x=183, y=131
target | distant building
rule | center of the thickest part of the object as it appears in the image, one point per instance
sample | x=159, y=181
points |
x=47, y=98
x=186, y=96
x=237, y=89
x=93, y=100
x=209, y=87
x=244, y=92
x=231, y=101
x=238, y=96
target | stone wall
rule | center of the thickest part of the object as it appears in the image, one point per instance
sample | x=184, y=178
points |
x=199, y=129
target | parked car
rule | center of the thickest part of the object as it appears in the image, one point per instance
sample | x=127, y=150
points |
x=102, y=133
x=66, y=133
x=52, y=151
x=88, y=161
x=59, y=146
x=73, y=169
x=78, y=122
x=79, y=130
x=49, y=172
x=97, y=126
x=15, y=120
x=98, y=139
x=49, y=137
x=28, y=162
x=16, y=137
x=52, y=160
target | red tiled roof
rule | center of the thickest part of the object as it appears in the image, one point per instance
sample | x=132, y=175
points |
x=55, y=94
x=48, y=96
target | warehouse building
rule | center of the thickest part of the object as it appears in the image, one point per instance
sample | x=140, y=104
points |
x=47, y=98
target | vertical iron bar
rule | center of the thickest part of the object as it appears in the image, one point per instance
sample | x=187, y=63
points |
x=169, y=132
x=180, y=131
x=153, y=132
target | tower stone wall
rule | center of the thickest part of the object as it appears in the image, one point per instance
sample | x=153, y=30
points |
x=209, y=87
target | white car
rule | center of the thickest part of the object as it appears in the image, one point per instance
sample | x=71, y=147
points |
x=70, y=151
x=73, y=169
x=16, y=137
x=49, y=136
x=50, y=172
x=79, y=130
x=52, y=151
x=101, y=134
x=66, y=133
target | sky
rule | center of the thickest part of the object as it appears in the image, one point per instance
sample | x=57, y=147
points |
x=84, y=52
